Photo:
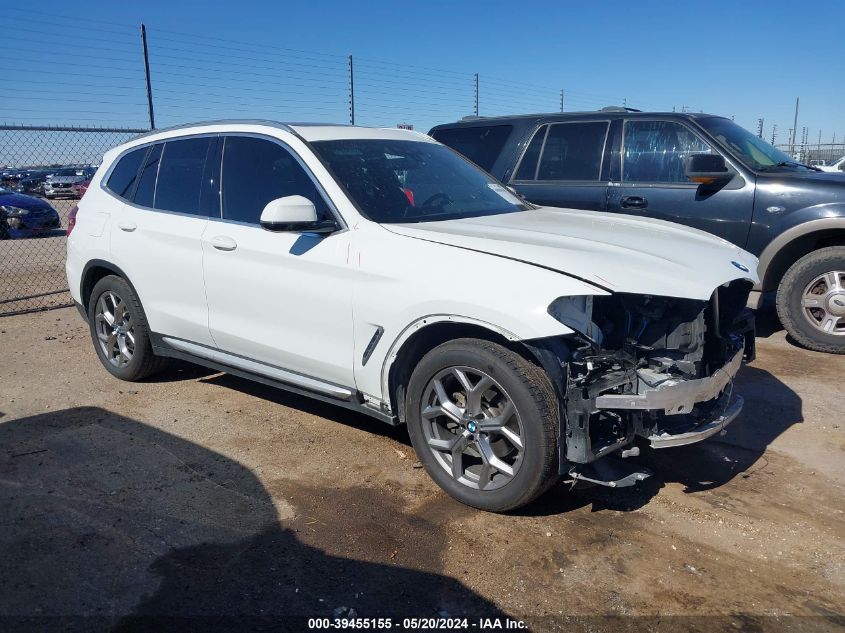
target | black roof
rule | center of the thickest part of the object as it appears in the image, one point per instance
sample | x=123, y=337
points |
x=610, y=112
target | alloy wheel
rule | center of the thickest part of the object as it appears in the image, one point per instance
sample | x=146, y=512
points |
x=115, y=329
x=472, y=428
x=823, y=302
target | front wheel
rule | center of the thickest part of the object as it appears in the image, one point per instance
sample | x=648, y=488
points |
x=811, y=300
x=484, y=423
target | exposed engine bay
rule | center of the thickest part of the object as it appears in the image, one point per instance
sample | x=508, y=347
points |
x=658, y=368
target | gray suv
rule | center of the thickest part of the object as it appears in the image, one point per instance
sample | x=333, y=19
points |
x=696, y=169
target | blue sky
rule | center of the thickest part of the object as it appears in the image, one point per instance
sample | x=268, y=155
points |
x=415, y=61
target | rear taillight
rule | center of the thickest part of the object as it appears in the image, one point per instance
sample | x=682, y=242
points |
x=71, y=218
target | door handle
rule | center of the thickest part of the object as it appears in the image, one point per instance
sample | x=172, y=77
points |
x=634, y=202
x=223, y=243
x=127, y=226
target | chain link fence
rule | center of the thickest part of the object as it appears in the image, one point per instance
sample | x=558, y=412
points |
x=820, y=154
x=44, y=171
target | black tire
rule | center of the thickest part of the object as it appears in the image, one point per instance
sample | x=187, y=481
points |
x=790, y=310
x=144, y=362
x=531, y=393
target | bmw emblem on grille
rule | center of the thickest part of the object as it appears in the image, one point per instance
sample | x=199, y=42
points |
x=742, y=267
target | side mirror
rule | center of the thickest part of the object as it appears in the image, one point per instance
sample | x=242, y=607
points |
x=294, y=213
x=707, y=169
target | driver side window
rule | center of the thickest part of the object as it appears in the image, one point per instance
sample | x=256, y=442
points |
x=654, y=151
x=258, y=170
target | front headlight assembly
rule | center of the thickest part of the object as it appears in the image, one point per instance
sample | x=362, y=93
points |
x=15, y=212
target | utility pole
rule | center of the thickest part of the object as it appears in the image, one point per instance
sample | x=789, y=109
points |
x=476, y=94
x=795, y=125
x=561, y=99
x=759, y=128
x=147, y=74
x=351, y=93
x=774, y=133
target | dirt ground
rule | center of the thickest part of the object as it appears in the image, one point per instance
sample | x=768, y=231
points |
x=130, y=506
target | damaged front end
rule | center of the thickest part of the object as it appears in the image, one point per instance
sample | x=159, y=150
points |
x=648, y=369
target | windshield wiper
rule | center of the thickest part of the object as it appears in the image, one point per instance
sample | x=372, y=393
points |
x=789, y=163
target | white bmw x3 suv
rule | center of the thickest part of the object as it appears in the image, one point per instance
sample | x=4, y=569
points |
x=379, y=270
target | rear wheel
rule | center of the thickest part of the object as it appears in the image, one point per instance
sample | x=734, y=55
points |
x=811, y=300
x=484, y=423
x=120, y=332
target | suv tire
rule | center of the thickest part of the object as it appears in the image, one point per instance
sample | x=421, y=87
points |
x=819, y=274
x=484, y=423
x=120, y=332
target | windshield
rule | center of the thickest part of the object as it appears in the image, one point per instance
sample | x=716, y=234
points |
x=753, y=151
x=66, y=172
x=414, y=181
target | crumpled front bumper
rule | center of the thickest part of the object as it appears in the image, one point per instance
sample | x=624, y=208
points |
x=701, y=431
x=674, y=396
x=678, y=397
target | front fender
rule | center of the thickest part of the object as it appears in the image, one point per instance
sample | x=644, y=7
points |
x=797, y=225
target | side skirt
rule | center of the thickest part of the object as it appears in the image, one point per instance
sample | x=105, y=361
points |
x=224, y=362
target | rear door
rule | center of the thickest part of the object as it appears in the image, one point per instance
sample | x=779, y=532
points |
x=562, y=166
x=156, y=237
x=652, y=181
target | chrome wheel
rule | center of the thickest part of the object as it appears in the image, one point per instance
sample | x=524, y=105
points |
x=115, y=329
x=823, y=302
x=472, y=428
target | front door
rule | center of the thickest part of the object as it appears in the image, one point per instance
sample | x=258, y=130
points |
x=281, y=298
x=654, y=182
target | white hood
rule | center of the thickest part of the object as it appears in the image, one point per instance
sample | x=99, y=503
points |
x=621, y=253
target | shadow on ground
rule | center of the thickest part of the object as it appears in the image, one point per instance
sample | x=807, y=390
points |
x=110, y=524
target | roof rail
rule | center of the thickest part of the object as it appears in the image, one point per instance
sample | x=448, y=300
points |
x=471, y=117
x=618, y=109
x=269, y=123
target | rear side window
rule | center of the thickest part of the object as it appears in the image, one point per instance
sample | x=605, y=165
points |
x=180, y=175
x=125, y=173
x=528, y=167
x=654, y=151
x=145, y=192
x=573, y=151
x=482, y=145
x=256, y=171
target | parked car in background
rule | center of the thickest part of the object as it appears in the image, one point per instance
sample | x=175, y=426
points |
x=25, y=216
x=81, y=188
x=63, y=182
x=695, y=169
x=32, y=183
x=380, y=271
x=836, y=166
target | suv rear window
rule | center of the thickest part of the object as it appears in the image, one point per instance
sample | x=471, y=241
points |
x=125, y=173
x=570, y=151
x=180, y=175
x=482, y=145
